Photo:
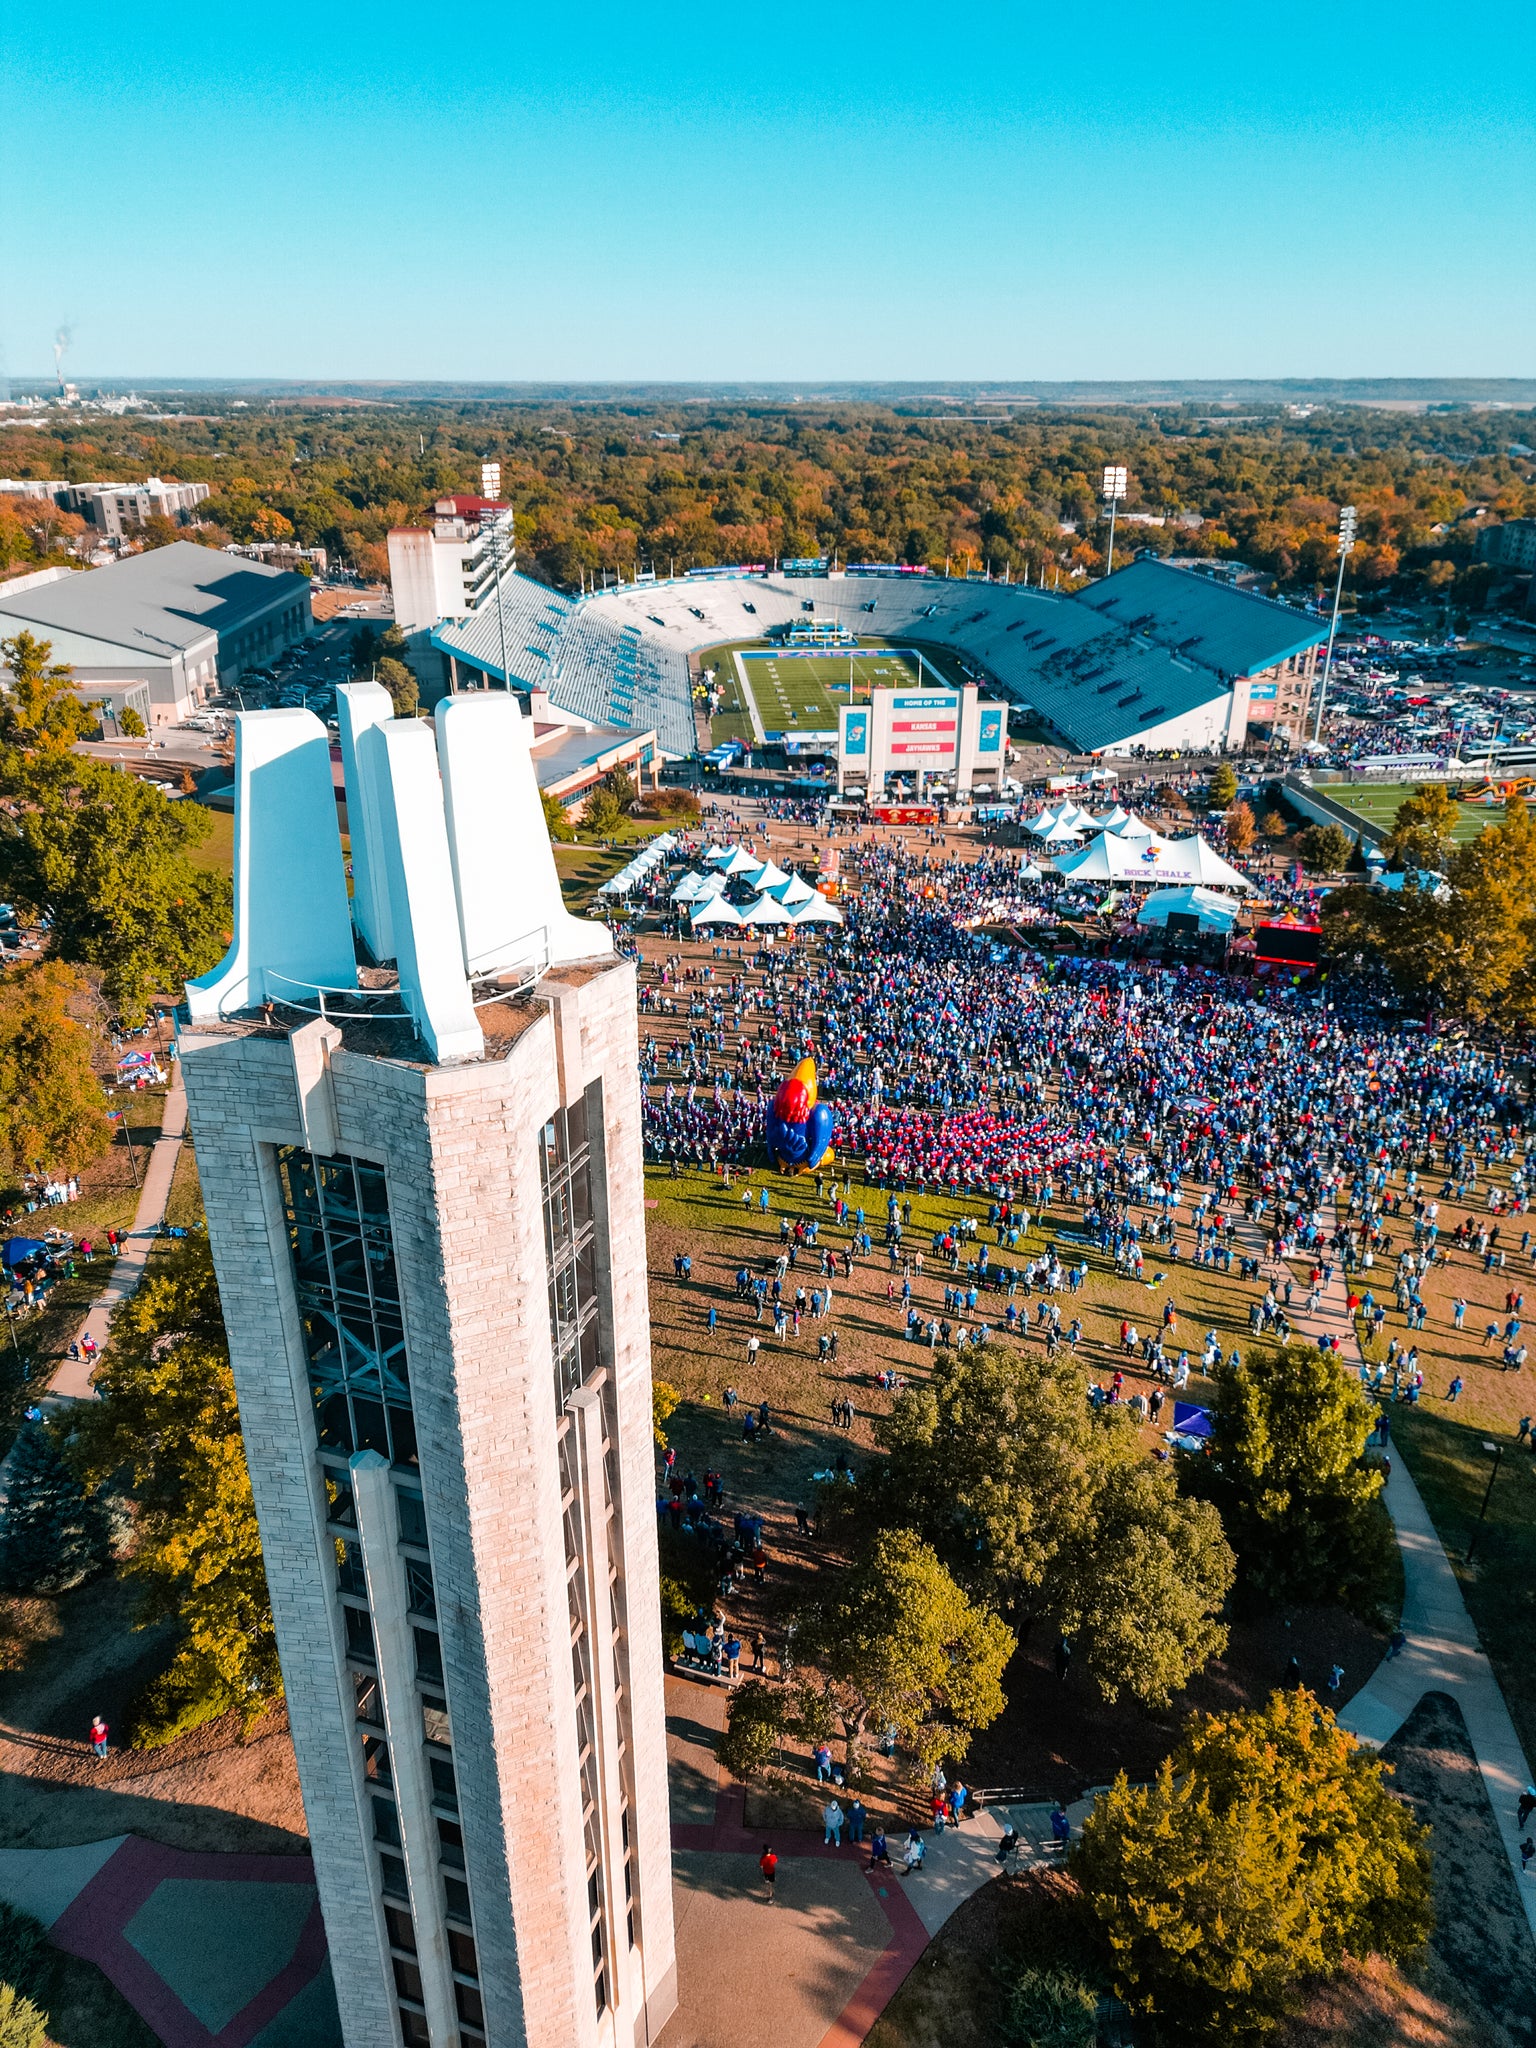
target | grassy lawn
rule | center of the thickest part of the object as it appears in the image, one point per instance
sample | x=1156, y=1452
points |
x=218, y=849
x=184, y=1204
x=584, y=869
x=1378, y=804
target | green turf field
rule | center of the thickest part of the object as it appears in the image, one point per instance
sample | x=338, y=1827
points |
x=1378, y=802
x=801, y=693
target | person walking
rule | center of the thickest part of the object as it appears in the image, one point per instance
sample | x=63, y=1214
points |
x=822, y=1757
x=99, y=1733
x=768, y=1864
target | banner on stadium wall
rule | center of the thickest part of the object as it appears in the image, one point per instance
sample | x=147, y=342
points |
x=925, y=724
x=855, y=732
x=1263, y=693
x=990, y=733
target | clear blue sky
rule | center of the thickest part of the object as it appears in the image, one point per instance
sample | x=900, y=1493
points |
x=782, y=191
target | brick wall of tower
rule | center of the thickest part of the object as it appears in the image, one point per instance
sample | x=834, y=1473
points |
x=240, y=1099
x=460, y=1146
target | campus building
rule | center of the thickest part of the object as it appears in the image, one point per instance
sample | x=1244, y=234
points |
x=425, y=1202
x=180, y=621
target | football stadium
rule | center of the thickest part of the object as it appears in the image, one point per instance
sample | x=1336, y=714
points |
x=1152, y=658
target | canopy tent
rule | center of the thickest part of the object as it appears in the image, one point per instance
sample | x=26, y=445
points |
x=1068, y=817
x=717, y=911
x=1059, y=834
x=1125, y=825
x=716, y=854
x=1216, y=913
x=766, y=911
x=662, y=843
x=1030, y=873
x=1190, y=1420
x=816, y=910
x=694, y=888
x=19, y=1248
x=792, y=890
x=767, y=877
x=135, y=1062
x=1112, y=858
x=736, y=861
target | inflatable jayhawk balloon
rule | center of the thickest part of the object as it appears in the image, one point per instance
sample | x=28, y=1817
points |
x=798, y=1128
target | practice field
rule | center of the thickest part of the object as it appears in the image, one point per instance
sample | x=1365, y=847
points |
x=797, y=692
x=1378, y=802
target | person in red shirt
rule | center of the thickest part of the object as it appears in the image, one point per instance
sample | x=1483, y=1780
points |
x=99, y=1733
x=768, y=1864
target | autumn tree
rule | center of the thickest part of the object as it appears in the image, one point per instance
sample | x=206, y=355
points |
x=52, y=1110
x=1287, y=1473
x=1240, y=828
x=894, y=1642
x=40, y=707
x=1424, y=827
x=167, y=1423
x=108, y=857
x=1469, y=944
x=1265, y=1851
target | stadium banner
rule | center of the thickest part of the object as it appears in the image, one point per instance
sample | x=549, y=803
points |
x=1263, y=693
x=990, y=734
x=855, y=726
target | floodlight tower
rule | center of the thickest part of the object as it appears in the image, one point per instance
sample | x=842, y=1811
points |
x=1346, y=549
x=1114, y=491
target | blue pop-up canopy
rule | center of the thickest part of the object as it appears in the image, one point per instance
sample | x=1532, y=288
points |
x=1188, y=1420
x=19, y=1248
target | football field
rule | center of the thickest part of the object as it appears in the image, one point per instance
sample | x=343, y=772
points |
x=801, y=692
x=1377, y=803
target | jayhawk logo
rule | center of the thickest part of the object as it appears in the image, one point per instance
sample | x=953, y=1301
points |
x=1149, y=855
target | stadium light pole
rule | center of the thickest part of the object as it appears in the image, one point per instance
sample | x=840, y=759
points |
x=1114, y=491
x=1346, y=549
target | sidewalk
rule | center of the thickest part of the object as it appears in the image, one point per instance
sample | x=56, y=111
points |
x=1443, y=1653
x=72, y=1380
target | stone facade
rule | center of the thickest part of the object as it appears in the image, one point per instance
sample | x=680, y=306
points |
x=460, y=1148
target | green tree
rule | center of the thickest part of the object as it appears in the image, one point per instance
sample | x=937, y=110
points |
x=755, y=1727
x=1325, y=849
x=52, y=1110
x=557, y=819
x=404, y=692
x=1288, y=1475
x=620, y=785
x=394, y=643
x=107, y=855
x=168, y=1420
x=894, y=1642
x=129, y=723
x=1424, y=827
x=1049, y=1512
x=1140, y=1596
x=53, y=1535
x=600, y=813
x=1265, y=1851
x=366, y=648
x=1222, y=787
x=40, y=708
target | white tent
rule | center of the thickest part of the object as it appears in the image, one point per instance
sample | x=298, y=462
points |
x=1123, y=823
x=699, y=888
x=1059, y=833
x=735, y=861
x=1030, y=873
x=717, y=911
x=792, y=890
x=767, y=877
x=817, y=910
x=1171, y=862
x=1216, y=913
x=766, y=911
x=717, y=855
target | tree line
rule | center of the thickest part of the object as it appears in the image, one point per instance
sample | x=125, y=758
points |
x=611, y=487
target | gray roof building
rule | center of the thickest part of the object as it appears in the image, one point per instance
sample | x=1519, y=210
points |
x=181, y=618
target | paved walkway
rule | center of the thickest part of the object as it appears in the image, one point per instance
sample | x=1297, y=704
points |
x=213, y=1951
x=73, y=1379
x=1443, y=1653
